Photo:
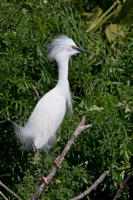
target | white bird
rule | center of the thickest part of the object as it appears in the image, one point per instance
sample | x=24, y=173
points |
x=40, y=130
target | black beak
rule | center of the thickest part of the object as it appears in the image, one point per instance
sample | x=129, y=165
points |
x=84, y=51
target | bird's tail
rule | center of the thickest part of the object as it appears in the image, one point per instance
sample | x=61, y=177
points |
x=23, y=136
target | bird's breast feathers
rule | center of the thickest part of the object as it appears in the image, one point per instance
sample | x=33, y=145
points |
x=47, y=117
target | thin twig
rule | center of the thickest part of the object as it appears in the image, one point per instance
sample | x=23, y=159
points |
x=95, y=184
x=10, y=191
x=121, y=187
x=37, y=94
x=4, y=197
x=43, y=186
x=8, y=120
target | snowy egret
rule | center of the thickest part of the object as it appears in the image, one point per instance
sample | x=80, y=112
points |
x=40, y=130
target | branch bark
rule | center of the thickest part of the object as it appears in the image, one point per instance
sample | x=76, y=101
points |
x=81, y=127
x=8, y=120
x=95, y=184
x=121, y=187
x=10, y=191
x=4, y=197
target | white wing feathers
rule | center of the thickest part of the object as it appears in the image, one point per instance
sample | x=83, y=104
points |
x=41, y=127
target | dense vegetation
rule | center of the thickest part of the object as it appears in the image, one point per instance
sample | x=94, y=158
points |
x=102, y=90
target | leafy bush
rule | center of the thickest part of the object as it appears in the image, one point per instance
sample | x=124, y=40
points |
x=102, y=90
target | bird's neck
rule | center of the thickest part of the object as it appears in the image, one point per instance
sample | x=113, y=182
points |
x=63, y=79
x=63, y=70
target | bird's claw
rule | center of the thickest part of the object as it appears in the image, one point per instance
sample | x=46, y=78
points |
x=44, y=179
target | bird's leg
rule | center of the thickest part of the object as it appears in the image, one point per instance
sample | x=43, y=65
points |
x=53, y=158
x=36, y=152
x=42, y=171
x=50, y=152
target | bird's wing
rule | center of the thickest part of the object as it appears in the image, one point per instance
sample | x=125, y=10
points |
x=46, y=117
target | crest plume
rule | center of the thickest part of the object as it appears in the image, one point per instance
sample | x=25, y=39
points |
x=59, y=44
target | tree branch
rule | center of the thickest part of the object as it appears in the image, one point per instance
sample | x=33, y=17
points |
x=8, y=120
x=10, y=191
x=121, y=187
x=37, y=94
x=4, y=197
x=95, y=184
x=81, y=127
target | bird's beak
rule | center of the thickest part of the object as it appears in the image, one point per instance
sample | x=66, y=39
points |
x=84, y=51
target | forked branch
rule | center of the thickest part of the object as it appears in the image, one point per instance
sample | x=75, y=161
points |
x=121, y=187
x=95, y=184
x=10, y=191
x=81, y=127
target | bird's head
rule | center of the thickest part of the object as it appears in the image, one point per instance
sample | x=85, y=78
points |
x=63, y=46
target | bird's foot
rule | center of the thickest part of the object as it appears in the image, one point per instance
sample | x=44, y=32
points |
x=57, y=162
x=44, y=179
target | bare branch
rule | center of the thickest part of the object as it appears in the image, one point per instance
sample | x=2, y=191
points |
x=37, y=94
x=95, y=184
x=121, y=187
x=10, y=191
x=8, y=120
x=81, y=127
x=4, y=197
x=3, y=121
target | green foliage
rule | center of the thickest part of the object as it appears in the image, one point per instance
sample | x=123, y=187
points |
x=102, y=90
x=105, y=12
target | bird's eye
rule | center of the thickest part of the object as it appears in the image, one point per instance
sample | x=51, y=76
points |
x=73, y=47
